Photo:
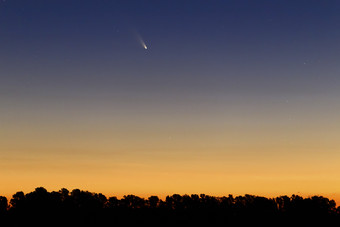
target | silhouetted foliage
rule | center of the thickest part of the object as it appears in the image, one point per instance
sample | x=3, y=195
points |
x=83, y=208
x=3, y=205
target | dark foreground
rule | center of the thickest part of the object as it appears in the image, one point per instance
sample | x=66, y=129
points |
x=83, y=208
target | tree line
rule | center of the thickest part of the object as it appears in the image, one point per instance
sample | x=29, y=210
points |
x=84, y=208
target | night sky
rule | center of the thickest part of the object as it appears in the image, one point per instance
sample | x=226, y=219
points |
x=230, y=97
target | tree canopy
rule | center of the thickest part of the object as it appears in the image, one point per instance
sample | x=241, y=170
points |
x=84, y=208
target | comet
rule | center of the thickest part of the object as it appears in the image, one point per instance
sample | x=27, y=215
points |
x=141, y=41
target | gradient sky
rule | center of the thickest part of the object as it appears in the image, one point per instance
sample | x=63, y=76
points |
x=231, y=97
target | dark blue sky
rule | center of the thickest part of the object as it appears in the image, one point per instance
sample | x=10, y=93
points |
x=239, y=45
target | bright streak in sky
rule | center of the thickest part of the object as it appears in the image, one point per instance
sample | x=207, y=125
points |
x=141, y=41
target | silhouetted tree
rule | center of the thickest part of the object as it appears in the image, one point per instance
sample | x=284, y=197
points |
x=64, y=194
x=83, y=208
x=112, y=202
x=18, y=200
x=3, y=204
x=153, y=201
x=132, y=201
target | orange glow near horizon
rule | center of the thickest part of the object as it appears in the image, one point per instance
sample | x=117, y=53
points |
x=156, y=164
x=216, y=154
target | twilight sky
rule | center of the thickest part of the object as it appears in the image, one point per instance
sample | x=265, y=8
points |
x=230, y=97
